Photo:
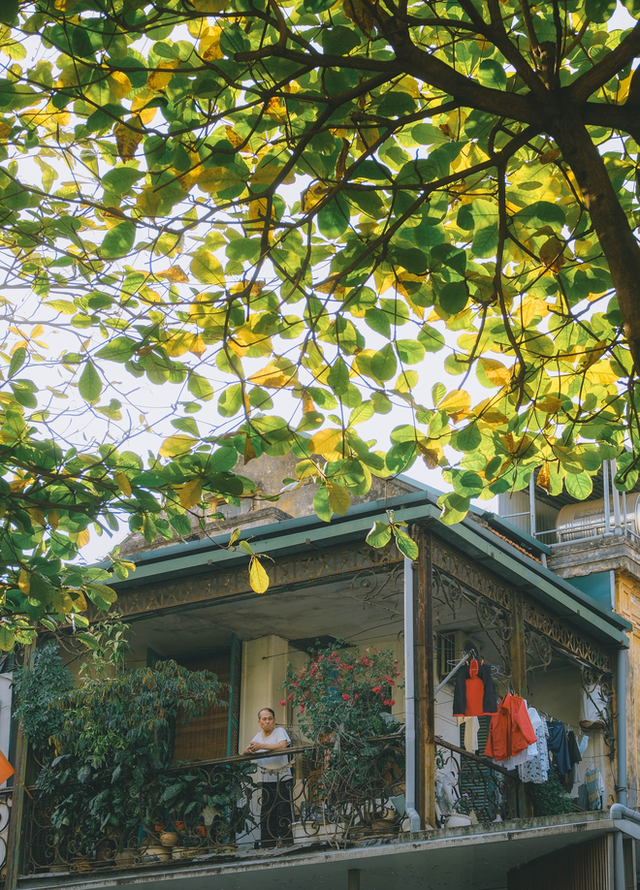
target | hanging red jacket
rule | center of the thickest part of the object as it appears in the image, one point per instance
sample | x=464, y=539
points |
x=510, y=730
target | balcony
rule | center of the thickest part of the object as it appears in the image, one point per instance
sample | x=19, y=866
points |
x=225, y=809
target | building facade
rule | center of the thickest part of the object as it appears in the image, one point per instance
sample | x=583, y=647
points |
x=434, y=810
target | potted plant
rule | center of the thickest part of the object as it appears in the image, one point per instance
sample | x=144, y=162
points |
x=343, y=698
x=104, y=744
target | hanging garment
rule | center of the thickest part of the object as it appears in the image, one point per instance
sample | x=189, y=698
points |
x=595, y=786
x=558, y=746
x=510, y=731
x=471, y=728
x=593, y=710
x=536, y=769
x=475, y=694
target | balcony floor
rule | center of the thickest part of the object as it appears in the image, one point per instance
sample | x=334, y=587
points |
x=473, y=858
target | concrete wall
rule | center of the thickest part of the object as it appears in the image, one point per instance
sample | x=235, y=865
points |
x=264, y=667
x=627, y=596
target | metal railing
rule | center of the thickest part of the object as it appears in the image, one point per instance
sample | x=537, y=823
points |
x=472, y=786
x=337, y=792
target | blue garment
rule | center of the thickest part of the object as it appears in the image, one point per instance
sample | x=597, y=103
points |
x=558, y=746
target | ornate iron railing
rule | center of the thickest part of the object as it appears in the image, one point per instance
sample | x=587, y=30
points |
x=473, y=786
x=337, y=792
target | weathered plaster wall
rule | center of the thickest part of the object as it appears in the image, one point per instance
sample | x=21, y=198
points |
x=627, y=594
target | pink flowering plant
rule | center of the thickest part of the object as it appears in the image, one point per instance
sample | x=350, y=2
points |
x=345, y=692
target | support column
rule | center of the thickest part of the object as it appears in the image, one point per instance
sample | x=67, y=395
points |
x=353, y=879
x=518, y=658
x=425, y=742
x=517, y=648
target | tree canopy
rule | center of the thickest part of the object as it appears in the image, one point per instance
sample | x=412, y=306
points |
x=281, y=214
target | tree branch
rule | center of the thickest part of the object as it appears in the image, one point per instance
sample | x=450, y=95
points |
x=606, y=68
x=609, y=219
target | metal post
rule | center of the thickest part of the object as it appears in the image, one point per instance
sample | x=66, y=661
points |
x=426, y=760
x=409, y=697
x=607, y=500
x=532, y=504
x=616, y=498
x=353, y=879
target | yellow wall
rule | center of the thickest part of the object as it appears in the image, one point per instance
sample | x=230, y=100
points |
x=264, y=667
x=628, y=605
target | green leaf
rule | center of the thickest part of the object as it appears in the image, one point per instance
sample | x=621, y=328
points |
x=410, y=351
x=579, y=485
x=207, y=269
x=17, y=361
x=384, y=364
x=333, y=218
x=321, y=503
x=90, y=384
x=338, y=377
x=120, y=349
x=454, y=508
x=199, y=387
x=406, y=545
x=8, y=15
x=379, y=534
x=118, y=241
x=492, y=74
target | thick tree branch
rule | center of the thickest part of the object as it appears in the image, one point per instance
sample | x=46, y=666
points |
x=587, y=84
x=609, y=220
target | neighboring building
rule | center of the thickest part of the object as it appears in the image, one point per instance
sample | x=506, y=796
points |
x=482, y=585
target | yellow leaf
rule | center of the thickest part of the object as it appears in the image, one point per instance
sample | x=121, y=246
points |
x=544, y=480
x=325, y=441
x=272, y=377
x=24, y=582
x=176, y=446
x=258, y=577
x=175, y=275
x=120, y=84
x=530, y=309
x=276, y=109
x=128, y=137
x=234, y=138
x=338, y=497
x=495, y=372
x=313, y=196
x=552, y=254
x=210, y=45
x=53, y=519
x=82, y=538
x=160, y=78
x=62, y=602
x=601, y=372
x=123, y=483
x=190, y=493
x=38, y=515
x=455, y=402
x=431, y=454
x=550, y=404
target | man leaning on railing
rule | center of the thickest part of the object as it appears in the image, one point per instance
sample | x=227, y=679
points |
x=275, y=781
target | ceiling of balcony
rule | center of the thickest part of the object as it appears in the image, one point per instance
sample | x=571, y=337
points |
x=360, y=610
